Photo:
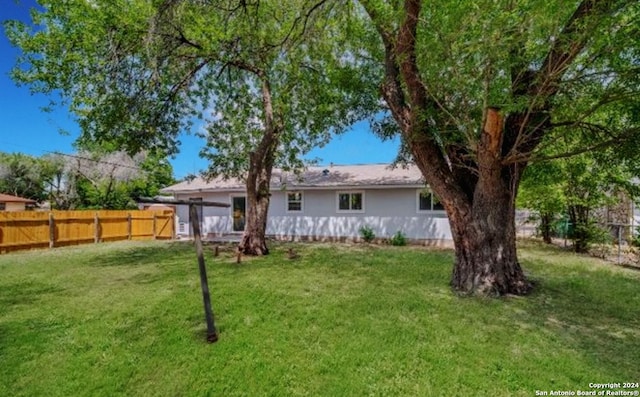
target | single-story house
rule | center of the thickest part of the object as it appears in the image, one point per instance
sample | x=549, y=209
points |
x=15, y=203
x=324, y=203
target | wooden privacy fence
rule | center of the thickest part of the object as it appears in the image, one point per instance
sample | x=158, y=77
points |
x=29, y=229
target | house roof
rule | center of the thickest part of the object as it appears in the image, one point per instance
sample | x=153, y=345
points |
x=329, y=177
x=7, y=198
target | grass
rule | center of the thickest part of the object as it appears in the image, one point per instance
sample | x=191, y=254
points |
x=127, y=319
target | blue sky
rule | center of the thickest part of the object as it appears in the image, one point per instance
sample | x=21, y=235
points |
x=25, y=128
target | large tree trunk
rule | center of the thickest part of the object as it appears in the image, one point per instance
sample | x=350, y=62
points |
x=254, y=238
x=486, y=261
x=483, y=225
x=477, y=177
x=259, y=177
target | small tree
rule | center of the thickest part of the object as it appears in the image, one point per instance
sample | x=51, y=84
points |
x=580, y=186
x=543, y=191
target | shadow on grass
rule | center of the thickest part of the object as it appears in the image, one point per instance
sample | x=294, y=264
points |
x=141, y=256
x=3, y=339
x=592, y=313
x=199, y=332
x=25, y=293
x=167, y=253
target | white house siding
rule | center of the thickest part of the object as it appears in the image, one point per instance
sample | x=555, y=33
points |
x=217, y=220
x=386, y=211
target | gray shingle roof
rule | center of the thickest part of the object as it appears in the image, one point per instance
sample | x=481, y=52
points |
x=334, y=176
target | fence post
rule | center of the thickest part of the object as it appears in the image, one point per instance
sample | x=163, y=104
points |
x=52, y=231
x=129, y=227
x=173, y=225
x=155, y=224
x=96, y=222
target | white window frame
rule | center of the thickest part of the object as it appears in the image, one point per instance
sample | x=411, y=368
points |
x=286, y=202
x=430, y=210
x=350, y=192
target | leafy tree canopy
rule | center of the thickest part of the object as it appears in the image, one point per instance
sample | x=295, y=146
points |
x=22, y=175
x=479, y=89
x=139, y=72
x=579, y=60
x=106, y=180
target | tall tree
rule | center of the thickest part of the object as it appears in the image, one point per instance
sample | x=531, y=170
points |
x=21, y=175
x=105, y=180
x=109, y=180
x=60, y=184
x=276, y=96
x=477, y=89
x=138, y=72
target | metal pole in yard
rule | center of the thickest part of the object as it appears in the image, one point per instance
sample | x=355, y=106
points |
x=212, y=335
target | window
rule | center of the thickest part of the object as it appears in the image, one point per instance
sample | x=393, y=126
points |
x=3, y=206
x=294, y=202
x=424, y=201
x=427, y=201
x=238, y=212
x=436, y=205
x=350, y=202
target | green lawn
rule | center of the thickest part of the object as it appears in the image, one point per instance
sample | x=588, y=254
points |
x=127, y=319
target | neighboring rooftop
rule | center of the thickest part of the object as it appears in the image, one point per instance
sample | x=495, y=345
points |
x=7, y=198
x=365, y=175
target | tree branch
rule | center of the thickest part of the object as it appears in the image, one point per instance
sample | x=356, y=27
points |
x=614, y=140
x=540, y=86
x=305, y=20
x=406, y=55
x=570, y=43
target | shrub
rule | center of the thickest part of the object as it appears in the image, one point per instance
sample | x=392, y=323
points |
x=367, y=234
x=586, y=235
x=398, y=239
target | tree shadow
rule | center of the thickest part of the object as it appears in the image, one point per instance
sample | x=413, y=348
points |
x=139, y=256
x=25, y=293
x=591, y=313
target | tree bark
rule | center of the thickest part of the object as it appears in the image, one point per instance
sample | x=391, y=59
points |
x=477, y=179
x=483, y=227
x=259, y=176
x=581, y=234
x=545, y=226
x=258, y=196
x=486, y=261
